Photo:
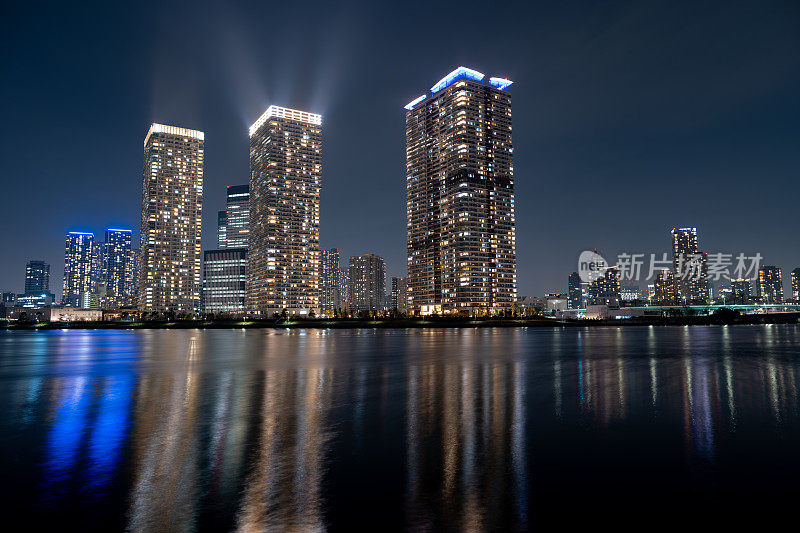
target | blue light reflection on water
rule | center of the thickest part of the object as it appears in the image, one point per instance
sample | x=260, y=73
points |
x=438, y=429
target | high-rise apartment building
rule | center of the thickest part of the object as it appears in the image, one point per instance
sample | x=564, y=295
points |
x=224, y=281
x=795, y=280
x=664, y=288
x=690, y=267
x=172, y=203
x=117, y=267
x=574, y=292
x=399, y=295
x=285, y=180
x=79, y=261
x=367, y=283
x=330, y=295
x=37, y=277
x=629, y=292
x=344, y=287
x=237, y=233
x=222, y=229
x=460, y=197
x=741, y=291
x=605, y=290
x=770, y=285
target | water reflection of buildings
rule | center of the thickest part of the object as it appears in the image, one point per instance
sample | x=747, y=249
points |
x=209, y=438
x=89, y=415
x=466, y=457
x=250, y=432
x=284, y=488
x=693, y=376
x=165, y=440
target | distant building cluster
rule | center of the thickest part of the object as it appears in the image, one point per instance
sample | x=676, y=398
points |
x=461, y=229
x=685, y=284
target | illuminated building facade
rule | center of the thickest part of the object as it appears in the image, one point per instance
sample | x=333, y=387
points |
x=399, y=295
x=605, y=290
x=795, y=279
x=79, y=275
x=741, y=291
x=574, y=293
x=629, y=292
x=222, y=229
x=460, y=197
x=367, y=283
x=330, y=295
x=770, y=285
x=237, y=233
x=37, y=277
x=117, y=268
x=344, y=288
x=285, y=179
x=690, y=267
x=172, y=205
x=224, y=281
x=664, y=288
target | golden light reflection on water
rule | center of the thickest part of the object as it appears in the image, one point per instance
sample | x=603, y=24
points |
x=260, y=426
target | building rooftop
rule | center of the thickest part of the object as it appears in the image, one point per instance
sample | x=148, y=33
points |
x=458, y=74
x=173, y=130
x=285, y=112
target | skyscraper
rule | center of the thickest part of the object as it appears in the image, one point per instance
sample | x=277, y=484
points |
x=399, y=295
x=460, y=197
x=330, y=296
x=690, y=267
x=172, y=203
x=344, y=287
x=605, y=290
x=224, y=281
x=285, y=179
x=37, y=277
x=237, y=233
x=222, y=229
x=741, y=291
x=795, y=279
x=574, y=291
x=367, y=282
x=664, y=288
x=78, y=267
x=117, y=267
x=770, y=285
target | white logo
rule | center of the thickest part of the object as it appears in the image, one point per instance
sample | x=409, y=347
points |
x=591, y=266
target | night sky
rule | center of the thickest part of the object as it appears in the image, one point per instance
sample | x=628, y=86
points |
x=629, y=117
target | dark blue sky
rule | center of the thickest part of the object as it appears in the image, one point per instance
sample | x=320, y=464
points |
x=629, y=117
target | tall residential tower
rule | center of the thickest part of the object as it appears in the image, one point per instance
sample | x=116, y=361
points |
x=689, y=266
x=172, y=201
x=285, y=178
x=330, y=295
x=367, y=282
x=460, y=197
x=79, y=263
x=237, y=219
x=37, y=277
x=117, y=267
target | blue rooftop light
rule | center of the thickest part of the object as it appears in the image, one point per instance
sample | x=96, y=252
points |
x=500, y=83
x=460, y=72
x=80, y=233
x=414, y=102
x=123, y=230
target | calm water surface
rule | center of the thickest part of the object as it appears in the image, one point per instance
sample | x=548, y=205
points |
x=504, y=429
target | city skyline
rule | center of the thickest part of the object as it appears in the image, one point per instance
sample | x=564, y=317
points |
x=553, y=135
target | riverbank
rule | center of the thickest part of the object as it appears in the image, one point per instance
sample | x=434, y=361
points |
x=428, y=322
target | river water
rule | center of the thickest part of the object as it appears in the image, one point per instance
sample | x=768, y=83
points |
x=419, y=429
